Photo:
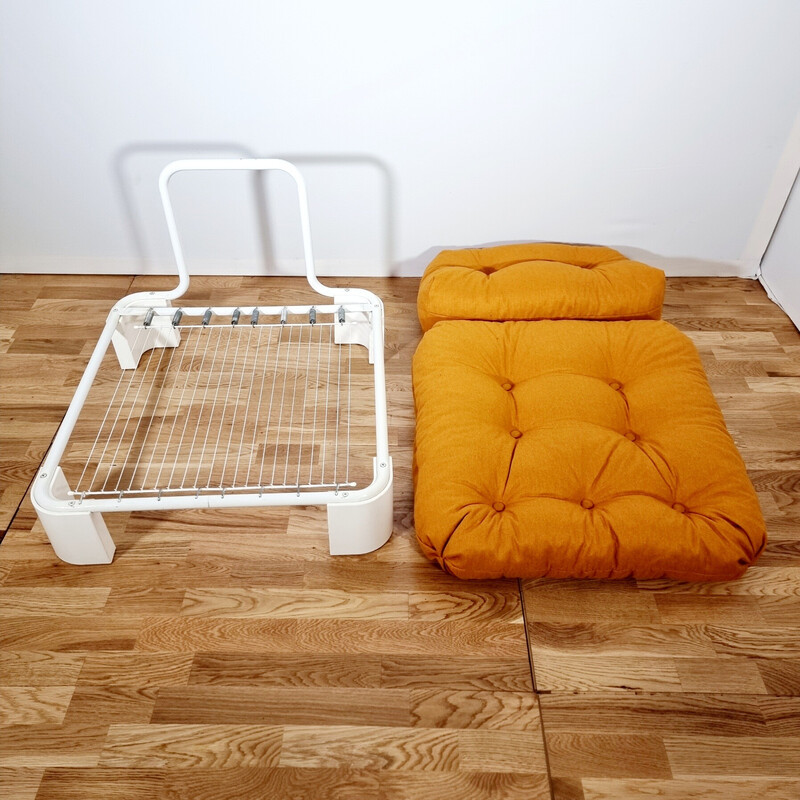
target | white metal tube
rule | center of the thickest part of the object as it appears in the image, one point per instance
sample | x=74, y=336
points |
x=381, y=420
x=258, y=164
x=229, y=500
x=42, y=487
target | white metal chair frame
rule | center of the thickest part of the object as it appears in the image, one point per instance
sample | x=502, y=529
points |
x=359, y=520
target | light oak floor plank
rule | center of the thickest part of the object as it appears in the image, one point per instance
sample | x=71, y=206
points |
x=20, y=783
x=720, y=788
x=183, y=746
x=30, y=705
x=40, y=668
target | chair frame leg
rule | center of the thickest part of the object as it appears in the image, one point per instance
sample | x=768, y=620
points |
x=356, y=528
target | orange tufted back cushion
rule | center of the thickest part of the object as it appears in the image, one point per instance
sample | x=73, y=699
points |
x=538, y=281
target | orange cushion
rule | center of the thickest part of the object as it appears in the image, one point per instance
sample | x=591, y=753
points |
x=538, y=281
x=576, y=449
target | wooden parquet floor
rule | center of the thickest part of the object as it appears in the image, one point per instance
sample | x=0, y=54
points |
x=227, y=655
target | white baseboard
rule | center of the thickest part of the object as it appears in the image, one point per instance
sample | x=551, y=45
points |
x=133, y=266
x=673, y=266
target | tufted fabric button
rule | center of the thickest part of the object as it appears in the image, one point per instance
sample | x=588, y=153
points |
x=508, y=386
x=516, y=434
x=631, y=436
x=615, y=386
x=587, y=504
x=498, y=506
x=679, y=507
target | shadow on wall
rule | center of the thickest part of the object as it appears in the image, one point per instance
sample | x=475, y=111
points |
x=414, y=267
x=353, y=215
x=136, y=163
x=385, y=205
x=673, y=266
x=352, y=235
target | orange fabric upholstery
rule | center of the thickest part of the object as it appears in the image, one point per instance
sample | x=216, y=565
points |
x=576, y=449
x=538, y=281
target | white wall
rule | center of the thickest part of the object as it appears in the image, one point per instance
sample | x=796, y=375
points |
x=780, y=269
x=428, y=123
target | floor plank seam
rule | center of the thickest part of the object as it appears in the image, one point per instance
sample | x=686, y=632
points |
x=44, y=453
x=21, y=501
x=535, y=690
x=26, y=493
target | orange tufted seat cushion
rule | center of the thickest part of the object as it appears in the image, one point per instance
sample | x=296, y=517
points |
x=538, y=281
x=576, y=449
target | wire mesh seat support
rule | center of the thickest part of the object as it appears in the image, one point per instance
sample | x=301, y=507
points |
x=220, y=407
